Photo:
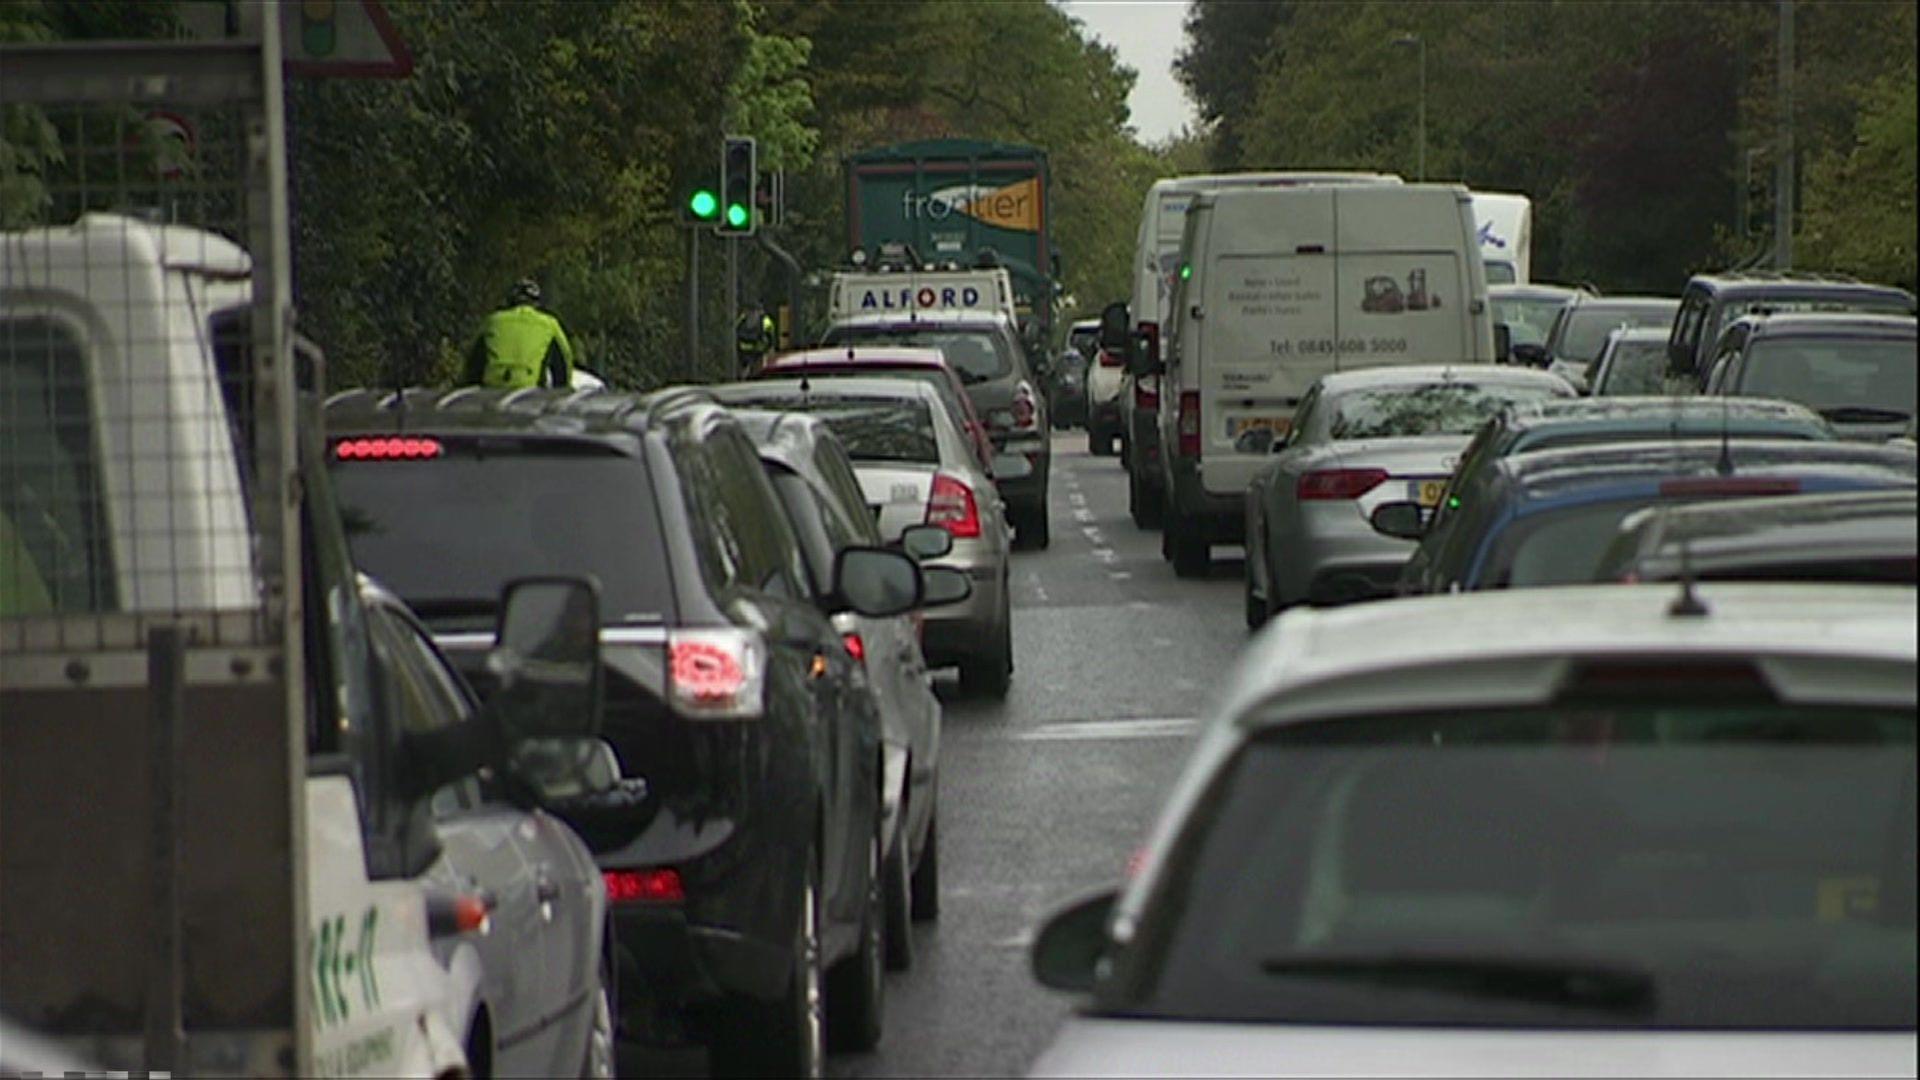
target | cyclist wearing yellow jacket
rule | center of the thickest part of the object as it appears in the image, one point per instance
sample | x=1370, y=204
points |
x=520, y=345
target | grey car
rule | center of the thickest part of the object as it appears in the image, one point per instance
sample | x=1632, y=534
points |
x=1632, y=362
x=820, y=489
x=1580, y=330
x=1363, y=439
x=533, y=992
x=915, y=467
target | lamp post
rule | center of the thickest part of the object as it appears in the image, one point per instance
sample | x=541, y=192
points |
x=1419, y=43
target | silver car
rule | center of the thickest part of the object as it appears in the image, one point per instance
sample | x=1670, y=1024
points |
x=821, y=492
x=1362, y=440
x=1632, y=362
x=1600, y=830
x=915, y=467
x=533, y=988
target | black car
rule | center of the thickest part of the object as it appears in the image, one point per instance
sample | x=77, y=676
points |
x=1854, y=369
x=1860, y=536
x=1546, y=518
x=1067, y=389
x=1710, y=302
x=992, y=361
x=750, y=868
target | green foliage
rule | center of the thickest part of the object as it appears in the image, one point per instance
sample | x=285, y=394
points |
x=1859, y=214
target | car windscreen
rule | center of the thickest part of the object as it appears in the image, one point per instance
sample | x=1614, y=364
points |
x=871, y=428
x=1835, y=373
x=1084, y=341
x=977, y=354
x=447, y=532
x=1703, y=859
x=1587, y=326
x=1528, y=319
x=1451, y=408
x=1637, y=368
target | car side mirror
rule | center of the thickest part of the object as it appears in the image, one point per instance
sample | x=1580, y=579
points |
x=545, y=662
x=1403, y=520
x=1115, y=327
x=1530, y=354
x=945, y=585
x=877, y=582
x=1502, y=343
x=1068, y=951
x=925, y=542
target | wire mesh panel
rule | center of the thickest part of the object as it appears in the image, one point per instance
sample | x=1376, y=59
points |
x=151, y=890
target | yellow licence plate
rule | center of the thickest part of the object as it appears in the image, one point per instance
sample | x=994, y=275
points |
x=1427, y=492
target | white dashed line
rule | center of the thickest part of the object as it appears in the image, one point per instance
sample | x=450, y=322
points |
x=1089, y=730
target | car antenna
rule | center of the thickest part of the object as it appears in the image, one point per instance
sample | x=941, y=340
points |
x=1688, y=604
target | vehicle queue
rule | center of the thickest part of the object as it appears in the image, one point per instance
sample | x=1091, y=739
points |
x=775, y=566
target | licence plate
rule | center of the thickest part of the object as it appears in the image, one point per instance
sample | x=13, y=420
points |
x=1426, y=492
x=1240, y=425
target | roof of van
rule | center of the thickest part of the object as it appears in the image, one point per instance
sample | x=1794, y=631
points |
x=1211, y=181
x=97, y=237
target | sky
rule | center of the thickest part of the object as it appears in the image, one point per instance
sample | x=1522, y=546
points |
x=1146, y=34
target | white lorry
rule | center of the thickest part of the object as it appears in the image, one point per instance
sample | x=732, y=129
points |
x=1503, y=224
x=1277, y=286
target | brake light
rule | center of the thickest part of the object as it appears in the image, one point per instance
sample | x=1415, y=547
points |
x=951, y=506
x=656, y=885
x=388, y=448
x=856, y=647
x=1108, y=359
x=1189, y=423
x=716, y=674
x=1339, y=483
x=1730, y=485
x=1145, y=396
x=1024, y=410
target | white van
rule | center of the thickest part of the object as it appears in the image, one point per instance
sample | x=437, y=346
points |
x=1504, y=227
x=1156, y=252
x=1278, y=286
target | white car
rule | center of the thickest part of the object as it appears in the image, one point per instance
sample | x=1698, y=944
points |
x=1597, y=830
x=1106, y=371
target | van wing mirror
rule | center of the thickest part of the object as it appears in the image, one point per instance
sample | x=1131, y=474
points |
x=1115, y=327
x=1068, y=951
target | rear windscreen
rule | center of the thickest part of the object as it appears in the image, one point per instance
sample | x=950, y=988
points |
x=447, y=533
x=871, y=428
x=977, y=354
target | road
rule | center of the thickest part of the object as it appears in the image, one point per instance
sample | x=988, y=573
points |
x=1044, y=796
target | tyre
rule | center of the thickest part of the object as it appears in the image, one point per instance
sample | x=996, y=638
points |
x=785, y=1037
x=1032, y=529
x=926, y=876
x=1141, y=505
x=1256, y=604
x=856, y=990
x=898, y=900
x=1192, y=555
x=991, y=674
x=1166, y=541
x=597, y=1059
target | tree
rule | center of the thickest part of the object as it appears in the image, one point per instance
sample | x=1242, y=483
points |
x=1229, y=45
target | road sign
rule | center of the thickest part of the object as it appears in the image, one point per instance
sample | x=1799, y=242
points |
x=342, y=39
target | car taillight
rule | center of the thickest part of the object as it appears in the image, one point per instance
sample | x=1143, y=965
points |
x=951, y=506
x=656, y=885
x=1189, y=423
x=1729, y=485
x=1110, y=359
x=856, y=646
x=1146, y=397
x=1025, y=413
x=388, y=448
x=716, y=674
x=1339, y=483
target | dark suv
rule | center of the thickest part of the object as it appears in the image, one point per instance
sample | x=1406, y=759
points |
x=986, y=350
x=1712, y=301
x=751, y=866
x=1855, y=369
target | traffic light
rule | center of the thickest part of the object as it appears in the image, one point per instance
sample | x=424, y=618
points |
x=737, y=180
x=700, y=202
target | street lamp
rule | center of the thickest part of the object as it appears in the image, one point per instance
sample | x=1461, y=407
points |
x=1420, y=43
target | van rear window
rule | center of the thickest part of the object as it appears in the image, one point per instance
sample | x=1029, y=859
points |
x=54, y=553
x=445, y=533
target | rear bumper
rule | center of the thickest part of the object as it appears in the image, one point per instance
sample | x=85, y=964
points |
x=1332, y=555
x=967, y=629
x=1030, y=490
x=1221, y=518
x=1104, y=418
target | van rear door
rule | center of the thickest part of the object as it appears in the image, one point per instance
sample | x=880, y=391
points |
x=1405, y=286
x=1268, y=323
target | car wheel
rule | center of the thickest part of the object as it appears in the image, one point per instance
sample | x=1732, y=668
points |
x=1256, y=604
x=786, y=1037
x=991, y=675
x=926, y=876
x=597, y=1062
x=1140, y=503
x=1192, y=555
x=899, y=901
x=856, y=990
x=1034, y=530
x=1166, y=542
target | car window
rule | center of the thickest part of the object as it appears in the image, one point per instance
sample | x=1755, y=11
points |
x=978, y=354
x=831, y=466
x=447, y=532
x=741, y=530
x=1686, y=325
x=873, y=429
x=1456, y=408
x=1827, y=373
x=810, y=528
x=54, y=553
x=1528, y=319
x=1587, y=327
x=1637, y=367
x=1707, y=861
x=424, y=695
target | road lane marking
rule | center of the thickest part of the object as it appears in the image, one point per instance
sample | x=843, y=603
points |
x=1087, y=730
x=1120, y=575
x=1081, y=513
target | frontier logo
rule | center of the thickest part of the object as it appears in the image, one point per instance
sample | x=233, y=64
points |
x=1015, y=207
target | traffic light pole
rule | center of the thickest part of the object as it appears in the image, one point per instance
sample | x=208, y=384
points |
x=733, y=302
x=693, y=303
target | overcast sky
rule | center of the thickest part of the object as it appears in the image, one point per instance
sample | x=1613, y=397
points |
x=1146, y=34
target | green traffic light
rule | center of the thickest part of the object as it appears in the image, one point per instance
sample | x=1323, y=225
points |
x=1186, y=271
x=704, y=204
x=737, y=215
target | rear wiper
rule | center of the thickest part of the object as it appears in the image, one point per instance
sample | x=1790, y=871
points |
x=1548, y=982
x=1862, y=414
